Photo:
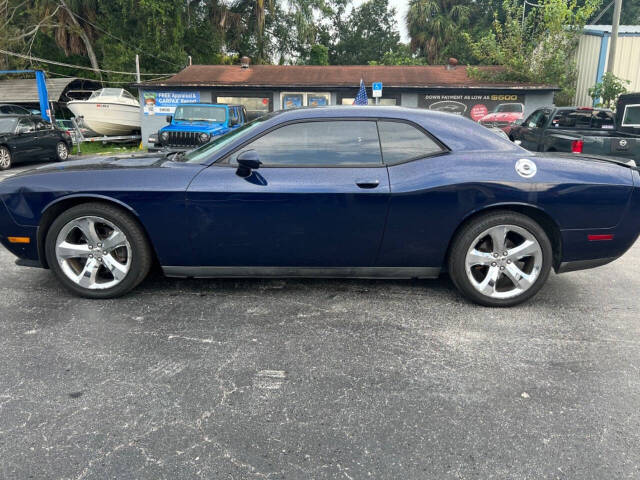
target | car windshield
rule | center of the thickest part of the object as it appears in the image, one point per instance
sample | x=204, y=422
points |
x=7, y=125
x=200, y=113
x=201, y=154
x=509, y=108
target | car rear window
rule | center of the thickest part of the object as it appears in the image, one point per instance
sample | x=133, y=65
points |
x=402, y=142
x=631, y=117
x=583, y=120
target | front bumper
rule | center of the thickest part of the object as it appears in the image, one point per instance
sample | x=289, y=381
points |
x=28, y=252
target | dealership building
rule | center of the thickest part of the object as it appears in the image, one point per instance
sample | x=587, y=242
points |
x=266, y=88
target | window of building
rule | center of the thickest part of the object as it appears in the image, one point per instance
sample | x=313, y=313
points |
x=304, y=99
x=327, y=143
x=402, y=142
x=256, y=106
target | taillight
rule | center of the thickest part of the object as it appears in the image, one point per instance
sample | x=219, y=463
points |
x=576, y=146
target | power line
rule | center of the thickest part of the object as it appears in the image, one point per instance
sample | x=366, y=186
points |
x=120, y=82
x=98, y=27
x=81, y=67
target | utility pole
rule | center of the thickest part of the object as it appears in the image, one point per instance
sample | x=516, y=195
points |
x=138, y=68
x=617, y=6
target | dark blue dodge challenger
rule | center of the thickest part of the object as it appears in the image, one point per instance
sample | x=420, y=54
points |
x=328, y=192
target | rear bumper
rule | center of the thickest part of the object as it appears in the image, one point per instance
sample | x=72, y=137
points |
x=565, y=267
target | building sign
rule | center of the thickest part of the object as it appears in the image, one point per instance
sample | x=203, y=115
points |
x=163, y=103
x=473, y=106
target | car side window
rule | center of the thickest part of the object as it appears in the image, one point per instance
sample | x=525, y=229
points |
x=233, y=116
x=402, y=142
x=542, y=119
x=42, y=125
x=330, y=143
x=25, y=126
x=532, y=119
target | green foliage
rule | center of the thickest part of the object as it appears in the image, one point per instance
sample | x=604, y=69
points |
x=436, y=26
x=401, y=56
x=607, y=91
x=540, y=49
x=368, y=34
x=629, y=15
x=319, y=55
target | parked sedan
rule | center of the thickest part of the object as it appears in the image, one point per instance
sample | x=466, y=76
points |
x=26, y=138
x=8, y=109
x=379, y=192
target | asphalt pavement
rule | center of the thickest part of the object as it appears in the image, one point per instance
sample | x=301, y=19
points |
x=320, y=379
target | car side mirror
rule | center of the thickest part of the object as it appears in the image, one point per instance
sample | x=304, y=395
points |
x=247, y=161
x=169, y=118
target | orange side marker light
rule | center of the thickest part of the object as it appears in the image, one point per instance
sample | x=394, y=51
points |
x=19, y=239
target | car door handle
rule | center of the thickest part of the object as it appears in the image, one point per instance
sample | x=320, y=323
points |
x=367, y=183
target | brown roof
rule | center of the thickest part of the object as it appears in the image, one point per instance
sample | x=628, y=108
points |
x=432, y=76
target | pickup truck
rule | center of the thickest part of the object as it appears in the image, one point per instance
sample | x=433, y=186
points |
x=195, y=124
x=584, y=130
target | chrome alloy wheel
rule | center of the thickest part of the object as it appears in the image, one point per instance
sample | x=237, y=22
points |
x=63, y=151
x=503, y=261
x=93, y=253
x=5, y=158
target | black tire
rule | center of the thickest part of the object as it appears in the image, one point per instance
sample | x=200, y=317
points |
x=141, y=255
x=59, y=157
x=5, y=158
x=469, y=232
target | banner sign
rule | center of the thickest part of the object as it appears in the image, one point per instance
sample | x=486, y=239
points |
x=165, y=103
x=473, y=106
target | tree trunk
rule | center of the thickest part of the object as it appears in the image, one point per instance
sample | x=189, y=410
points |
x=85, y=39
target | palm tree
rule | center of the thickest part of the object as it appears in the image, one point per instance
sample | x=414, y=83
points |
x=434, y=25
x=74, y=32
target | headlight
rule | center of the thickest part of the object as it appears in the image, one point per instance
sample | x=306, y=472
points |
x=204, y=137
x=164, y=136
x=153, y=138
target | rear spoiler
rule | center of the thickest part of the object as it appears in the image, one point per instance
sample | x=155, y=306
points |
x=632, y=164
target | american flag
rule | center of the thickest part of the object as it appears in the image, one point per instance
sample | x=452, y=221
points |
x=361, y=97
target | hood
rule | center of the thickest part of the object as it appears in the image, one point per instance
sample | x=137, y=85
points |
x=502, y=117
x=101, y=163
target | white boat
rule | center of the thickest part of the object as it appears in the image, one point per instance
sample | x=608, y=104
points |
x=109, y=111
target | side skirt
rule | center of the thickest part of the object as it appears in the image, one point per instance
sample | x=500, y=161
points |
x=308, y=272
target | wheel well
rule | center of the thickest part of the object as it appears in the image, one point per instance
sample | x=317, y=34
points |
x=543, y=219
x=52, y=212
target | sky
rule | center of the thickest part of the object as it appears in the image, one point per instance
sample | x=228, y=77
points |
x=401, y=7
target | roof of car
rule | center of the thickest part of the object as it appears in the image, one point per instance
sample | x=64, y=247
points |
x=19, y=115
x=455, y=131
x=364, y=111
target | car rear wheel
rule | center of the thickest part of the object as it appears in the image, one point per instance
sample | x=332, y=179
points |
x=98, y=251
x=5, y=158
x=62, y=152
x=500, y=259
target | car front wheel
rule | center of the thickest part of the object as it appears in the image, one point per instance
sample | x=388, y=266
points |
x=97, y=251
x=5, y=158
x=500, y=259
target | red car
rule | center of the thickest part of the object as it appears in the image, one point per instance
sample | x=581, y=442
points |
x=504, y=116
